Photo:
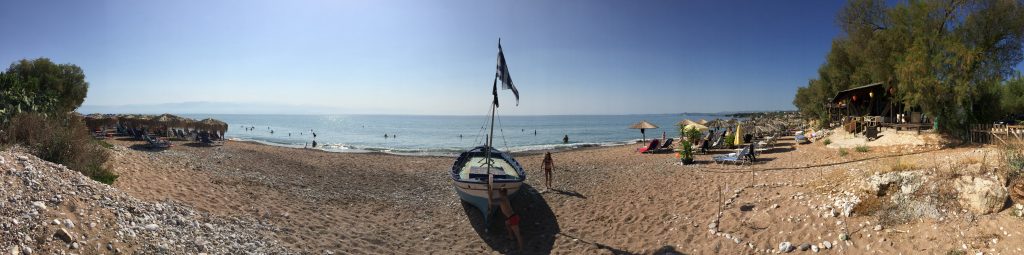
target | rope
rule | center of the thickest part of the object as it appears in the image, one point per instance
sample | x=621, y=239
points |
x=480, y=132
x=502, y=130
x=811, y=166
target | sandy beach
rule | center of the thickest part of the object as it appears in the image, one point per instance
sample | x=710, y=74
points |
x=607, y=200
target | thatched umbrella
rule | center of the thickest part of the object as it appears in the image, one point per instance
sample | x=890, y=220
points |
x=211, y=124
x=642, y=125
x=685, y=122
x=703, y=122
x=696, y=126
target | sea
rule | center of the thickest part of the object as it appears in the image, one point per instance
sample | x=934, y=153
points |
x=444, y=135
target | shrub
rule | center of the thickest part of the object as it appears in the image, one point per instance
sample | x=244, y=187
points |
x=730, y=140
x=862, y=148
x=827, y=141
x=843, y=152
x=64, y=141
x=1013, y=155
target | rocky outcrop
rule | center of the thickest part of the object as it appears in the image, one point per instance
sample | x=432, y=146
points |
x=905, y=182
x=982, y=195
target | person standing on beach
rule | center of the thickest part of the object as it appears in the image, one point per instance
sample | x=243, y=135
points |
x=548, y=164
x=511, y=218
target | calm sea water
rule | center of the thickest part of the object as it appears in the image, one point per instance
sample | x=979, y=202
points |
x=443, y=135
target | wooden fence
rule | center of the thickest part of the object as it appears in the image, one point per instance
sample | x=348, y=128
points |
x=993, y=133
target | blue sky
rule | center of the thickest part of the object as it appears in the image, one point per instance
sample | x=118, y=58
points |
x=429, y=57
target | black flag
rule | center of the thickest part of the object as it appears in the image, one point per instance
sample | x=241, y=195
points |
x=502, y=75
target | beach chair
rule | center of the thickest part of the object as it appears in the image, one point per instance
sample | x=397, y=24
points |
x=651, y=147
x=156, y=143
x=742, y=157
x=801, y=139
x=667, y=146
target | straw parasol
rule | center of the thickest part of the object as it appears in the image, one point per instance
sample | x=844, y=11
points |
x=642, y=125
x=685, y=122
x=211, y=124
x=696, y=126
x=716, y=123
x=703, y=122
x=96, y=121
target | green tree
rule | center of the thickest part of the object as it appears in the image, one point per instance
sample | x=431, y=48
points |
x=1013, y=95
x=945, y=58
x=64, y=83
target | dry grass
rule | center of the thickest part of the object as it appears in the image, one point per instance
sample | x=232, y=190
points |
x=869, y=205
x=900, y=165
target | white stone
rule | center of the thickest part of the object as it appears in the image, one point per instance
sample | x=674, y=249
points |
x=151, y=226
x=981, y=195
x=785, y=246
x=814, y=248
x=878, y=228
x=39, y=204
x=827, y=244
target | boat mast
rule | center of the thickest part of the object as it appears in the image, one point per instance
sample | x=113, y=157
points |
x=487, y=155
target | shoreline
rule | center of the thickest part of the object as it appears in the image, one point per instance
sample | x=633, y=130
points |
x=427, y=153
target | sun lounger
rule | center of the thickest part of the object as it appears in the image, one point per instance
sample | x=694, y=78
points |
x=651, y=147
x=667, y=146
x=765, y=145
x=801, y=139
x=741, y=157
x=156, y=143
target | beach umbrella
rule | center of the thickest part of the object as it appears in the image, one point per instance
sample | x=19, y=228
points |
x=739, y=135
x=715, y=123
x=642, y=125
x=703, y=122
x=696, y=126
x=685, y=122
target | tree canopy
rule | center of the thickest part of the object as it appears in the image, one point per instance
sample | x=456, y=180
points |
x=947, y=59
x=41, y=86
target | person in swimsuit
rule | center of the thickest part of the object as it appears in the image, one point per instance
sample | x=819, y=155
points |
x=548, y=164
x=511, y=218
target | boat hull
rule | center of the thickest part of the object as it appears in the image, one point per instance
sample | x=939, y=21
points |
x=474, y=191
x=476, y=195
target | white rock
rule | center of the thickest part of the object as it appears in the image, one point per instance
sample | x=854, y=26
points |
x=785, y=246
x=68, y=223
x=814, y=248
x=39, y=204
x=981, y=195
x=827, y=244
x=878, y=228
x=151, y=226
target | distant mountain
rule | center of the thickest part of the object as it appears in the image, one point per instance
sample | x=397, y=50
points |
x=211, y=108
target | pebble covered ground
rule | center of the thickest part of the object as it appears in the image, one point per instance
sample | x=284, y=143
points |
x=49, y=209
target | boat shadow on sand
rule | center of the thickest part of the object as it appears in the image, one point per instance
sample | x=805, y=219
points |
x=538, y=225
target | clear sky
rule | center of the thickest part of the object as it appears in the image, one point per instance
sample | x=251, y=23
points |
x=430, y=57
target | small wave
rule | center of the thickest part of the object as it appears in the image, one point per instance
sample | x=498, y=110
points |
x=346, y=148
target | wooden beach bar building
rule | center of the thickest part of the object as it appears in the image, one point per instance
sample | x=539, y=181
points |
x=870, y=107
